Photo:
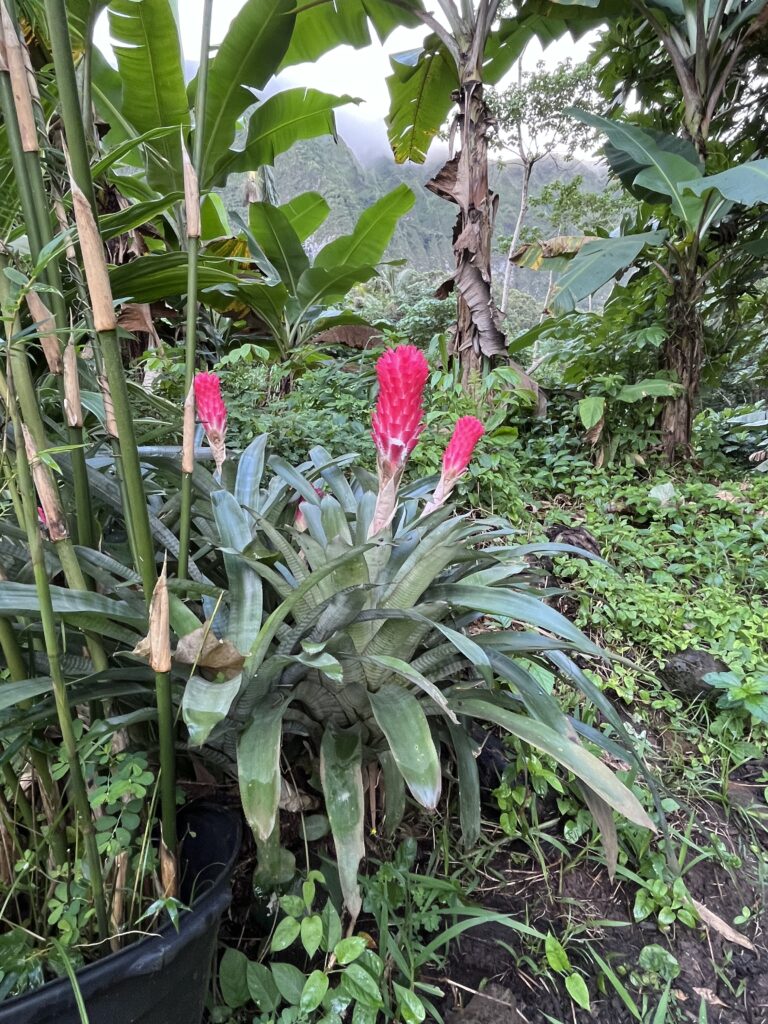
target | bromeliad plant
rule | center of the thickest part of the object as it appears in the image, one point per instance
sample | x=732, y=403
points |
x=380, y=632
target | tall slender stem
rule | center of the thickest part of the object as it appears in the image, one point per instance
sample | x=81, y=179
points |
x=144, y=552
x=193, y=250
x=29, y=176
x=50, y=634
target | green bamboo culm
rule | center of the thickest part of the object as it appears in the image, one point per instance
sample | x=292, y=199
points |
x=193, y=250
x=28, y=170
x=105, y=324
x=51, y=640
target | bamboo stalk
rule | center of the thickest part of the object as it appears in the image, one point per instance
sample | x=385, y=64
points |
x=24, y=393
x=29, y=176
x=192, y=176
x=101, y=298
x=50, y=634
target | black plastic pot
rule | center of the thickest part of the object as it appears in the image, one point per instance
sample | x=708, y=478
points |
x=162, y=979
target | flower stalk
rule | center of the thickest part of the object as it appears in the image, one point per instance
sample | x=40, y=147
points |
x=192, y=174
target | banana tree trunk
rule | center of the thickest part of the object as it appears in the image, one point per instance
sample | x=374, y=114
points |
x=464, y=181
x=683, y=357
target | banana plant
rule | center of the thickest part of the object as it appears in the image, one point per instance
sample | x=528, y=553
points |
x=147, y=92
x=680, y=212
x=347, y=616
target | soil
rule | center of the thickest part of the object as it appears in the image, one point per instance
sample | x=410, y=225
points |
x=733, y=981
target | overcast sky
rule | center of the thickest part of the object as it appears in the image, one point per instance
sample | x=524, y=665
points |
x=359, y=73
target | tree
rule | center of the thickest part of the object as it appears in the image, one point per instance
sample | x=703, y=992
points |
x=532, y=124
x=695, y=67
x=679, y=232
x=471, y=48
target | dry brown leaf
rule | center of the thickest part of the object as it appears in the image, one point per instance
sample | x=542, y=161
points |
x=47, y=491
x=709, y=997
x=295, y=800
x=716, y=923
x=188, y=434
x=22, y=96
x=94, y=262
x=72, y=406
x=46, y=331
x=191, y=195
x=203, y=648
x=159, y=656
x=168, y=872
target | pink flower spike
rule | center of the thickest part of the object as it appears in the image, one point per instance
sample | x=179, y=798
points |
x=212, y=413
x=458, y=454
x=210, y=404
x=397, y=423
x=456, y=458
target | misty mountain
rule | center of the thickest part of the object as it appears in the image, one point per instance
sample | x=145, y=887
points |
x=423, y=237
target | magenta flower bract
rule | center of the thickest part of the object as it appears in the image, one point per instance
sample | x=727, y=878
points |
x=210, y=404
x=457, y=455
x=212, y=413
x=397, y=421
x=456, y=458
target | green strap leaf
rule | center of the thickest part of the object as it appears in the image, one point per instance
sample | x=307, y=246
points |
x=247, y=58
x=518, y=607
x=278, y=241
x=258, y=767
x=342, y=781
x=420, y=89
x=205, y=704
x=404, y=724
x=306, y=212
x=372, y=233
x=566, y=752
x=245, y=587
x=276, y=124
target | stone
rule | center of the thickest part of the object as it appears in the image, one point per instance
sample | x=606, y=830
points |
x=683, y=673
x=494, y=1005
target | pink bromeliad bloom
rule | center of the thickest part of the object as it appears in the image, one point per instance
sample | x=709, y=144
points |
x=397, y=422
x=212, y=413
x=456, y=458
